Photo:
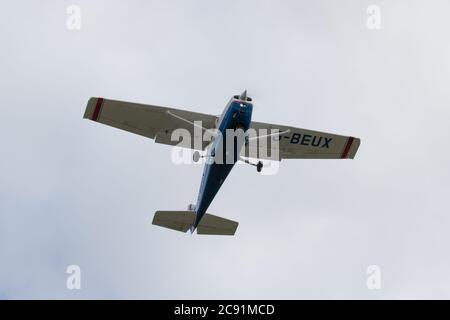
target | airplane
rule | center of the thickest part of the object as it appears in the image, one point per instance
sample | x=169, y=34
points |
x=161, y=124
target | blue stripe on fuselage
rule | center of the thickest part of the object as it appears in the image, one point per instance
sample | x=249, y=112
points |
x=214, y=174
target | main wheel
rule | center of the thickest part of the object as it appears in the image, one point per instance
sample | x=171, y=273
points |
x=196, y=156
x=259, y=166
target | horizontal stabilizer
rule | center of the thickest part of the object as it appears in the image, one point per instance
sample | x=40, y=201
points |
x=176, y=220
x=211, y=224
x=184, y=220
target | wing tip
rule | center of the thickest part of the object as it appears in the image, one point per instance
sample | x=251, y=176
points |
x=354, y=148
x=93, y=108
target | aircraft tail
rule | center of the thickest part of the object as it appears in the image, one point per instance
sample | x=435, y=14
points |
x=184, y=221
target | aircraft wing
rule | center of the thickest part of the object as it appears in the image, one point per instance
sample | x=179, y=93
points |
x=150, y=121
x=297, y=143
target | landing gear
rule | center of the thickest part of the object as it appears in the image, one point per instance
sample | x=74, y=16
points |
x=196, y=156
x=259, y=166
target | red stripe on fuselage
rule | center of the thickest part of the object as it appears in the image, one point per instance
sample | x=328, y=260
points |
x=348, y=145
x=97, y=109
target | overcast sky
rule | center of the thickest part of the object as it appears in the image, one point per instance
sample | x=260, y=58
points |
x=75, y=192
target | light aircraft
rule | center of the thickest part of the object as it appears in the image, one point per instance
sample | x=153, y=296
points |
x=162, y=123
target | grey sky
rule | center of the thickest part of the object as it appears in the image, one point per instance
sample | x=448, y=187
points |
x=76, y=192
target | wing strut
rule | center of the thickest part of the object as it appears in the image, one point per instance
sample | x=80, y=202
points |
x=270, y=135
x=185, y=120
